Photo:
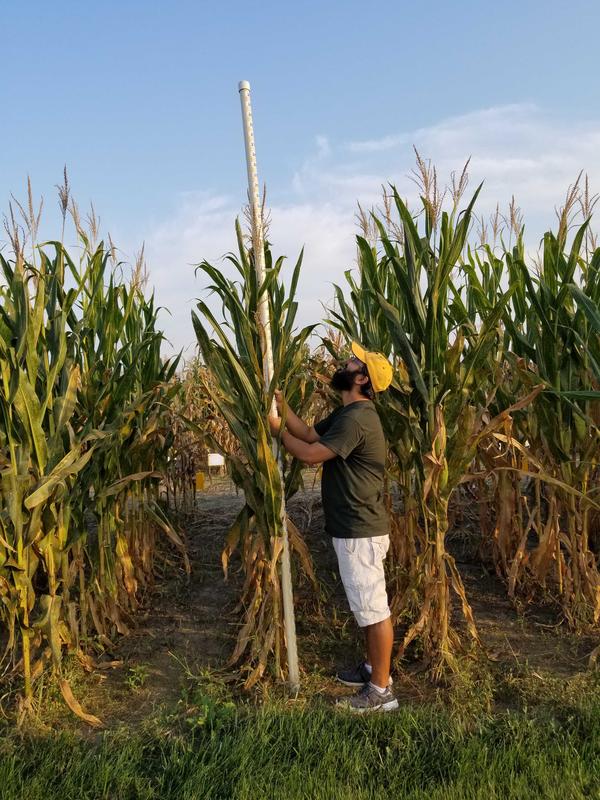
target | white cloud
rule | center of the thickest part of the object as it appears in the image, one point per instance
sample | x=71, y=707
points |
x=519, y=150
x=323, y=147
x=376, y=145
x=200, y=229
x=205, y=232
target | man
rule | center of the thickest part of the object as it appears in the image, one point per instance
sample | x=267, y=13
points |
x=351, y=446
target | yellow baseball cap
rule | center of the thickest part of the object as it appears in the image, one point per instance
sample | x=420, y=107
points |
x=379, y=368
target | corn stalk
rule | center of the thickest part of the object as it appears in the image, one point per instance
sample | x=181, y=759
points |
x=84, y=435
x=232, y=352
x=436, y=412
x=552, y=328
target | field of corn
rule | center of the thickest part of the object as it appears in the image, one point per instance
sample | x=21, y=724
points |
x=491, y=420
x=85, y=438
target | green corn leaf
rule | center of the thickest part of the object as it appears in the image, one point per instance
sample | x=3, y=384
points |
x=405, y=348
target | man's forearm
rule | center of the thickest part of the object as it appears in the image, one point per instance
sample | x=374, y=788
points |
x=309, y=452
x=297, y=447
x=296, y=426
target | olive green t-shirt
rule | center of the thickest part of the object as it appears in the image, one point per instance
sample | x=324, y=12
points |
x=352, y=482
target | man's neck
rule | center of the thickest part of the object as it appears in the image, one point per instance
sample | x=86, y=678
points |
x=352, y=397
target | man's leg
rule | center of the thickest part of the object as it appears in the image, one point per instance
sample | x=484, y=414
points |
x=380, y=641
x=362, y=573
x=363, y=576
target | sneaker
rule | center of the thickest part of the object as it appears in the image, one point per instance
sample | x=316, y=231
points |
x=357, y=676
x=368, y=699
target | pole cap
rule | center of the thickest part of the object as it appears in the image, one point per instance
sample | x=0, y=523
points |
x=243, y=85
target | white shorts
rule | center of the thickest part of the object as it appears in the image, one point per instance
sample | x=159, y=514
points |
x=361, y=570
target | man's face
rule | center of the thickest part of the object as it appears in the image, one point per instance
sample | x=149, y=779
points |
x=344, y=377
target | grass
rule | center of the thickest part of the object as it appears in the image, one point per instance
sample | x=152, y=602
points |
x=212, y=748
x=495, y=730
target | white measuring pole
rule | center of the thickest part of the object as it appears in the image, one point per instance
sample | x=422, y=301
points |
x=265, y=321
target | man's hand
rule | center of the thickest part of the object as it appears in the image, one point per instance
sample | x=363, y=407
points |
x=275, y=425
x=293, y=424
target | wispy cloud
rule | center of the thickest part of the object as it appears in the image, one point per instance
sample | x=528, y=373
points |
x=518, y=150
x=377, y=145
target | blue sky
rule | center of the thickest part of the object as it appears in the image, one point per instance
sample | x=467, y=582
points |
x=140, y=100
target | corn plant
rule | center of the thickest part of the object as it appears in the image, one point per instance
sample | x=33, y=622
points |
x=436, y=412
x=127, y=391
x=542, y=538
x=40, y=460
x=84, y=434
x=232, y=350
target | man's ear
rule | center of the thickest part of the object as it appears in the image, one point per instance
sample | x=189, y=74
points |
x=362, y=379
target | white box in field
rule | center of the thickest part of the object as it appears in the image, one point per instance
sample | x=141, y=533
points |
x=216, y=460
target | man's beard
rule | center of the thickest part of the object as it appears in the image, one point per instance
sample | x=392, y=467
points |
x=343, y=380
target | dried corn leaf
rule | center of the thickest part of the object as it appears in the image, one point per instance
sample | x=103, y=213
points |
x=75, y=706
